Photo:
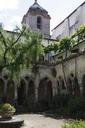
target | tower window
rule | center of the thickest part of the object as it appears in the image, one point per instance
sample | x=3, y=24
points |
x=39, y=22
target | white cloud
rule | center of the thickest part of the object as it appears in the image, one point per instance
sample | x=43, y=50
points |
x=8, y=27
x=8, y=4
x=11, y=24
x=16, y=19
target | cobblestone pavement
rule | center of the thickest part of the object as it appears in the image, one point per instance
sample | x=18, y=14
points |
x=40, y=121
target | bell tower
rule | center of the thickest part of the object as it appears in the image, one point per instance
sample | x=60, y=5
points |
x=37, y=19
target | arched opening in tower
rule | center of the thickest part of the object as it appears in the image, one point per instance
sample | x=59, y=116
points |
x=45, y=92
x=22, y=93
x=39, y=22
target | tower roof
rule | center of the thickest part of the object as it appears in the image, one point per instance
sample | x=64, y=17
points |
x=36, y=6
x=37, y=9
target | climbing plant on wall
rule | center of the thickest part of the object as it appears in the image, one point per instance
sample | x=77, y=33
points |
x=66, y=43
x=80, y=33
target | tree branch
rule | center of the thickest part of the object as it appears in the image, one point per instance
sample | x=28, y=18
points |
x=6, y=50
x=4, y=41
x=18, y=38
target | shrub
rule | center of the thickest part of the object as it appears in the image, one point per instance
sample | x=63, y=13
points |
x=76, y=105
x=61, y=101
x=6, y=107
x=74, y=124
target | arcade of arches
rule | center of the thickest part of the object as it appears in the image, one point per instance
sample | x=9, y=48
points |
x=29, y=92
x=27, y=95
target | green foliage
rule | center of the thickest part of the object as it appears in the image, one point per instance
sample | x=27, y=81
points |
x=65, y=44
x=61, y=101
x=67, y=106
x=7, y=107
x=76, y=105
x=51, y=47
x=19, y=50
x=33, y=43
x=80, y=32
x=74, y=124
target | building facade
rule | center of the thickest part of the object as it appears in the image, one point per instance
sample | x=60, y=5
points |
x=43, y=86
x=68, y=26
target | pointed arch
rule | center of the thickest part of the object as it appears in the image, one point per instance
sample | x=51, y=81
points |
x=31, y=92
x=45, y=91
x=22, y=92
x=10, y=90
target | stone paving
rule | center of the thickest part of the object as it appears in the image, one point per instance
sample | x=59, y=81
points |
x=40, y=121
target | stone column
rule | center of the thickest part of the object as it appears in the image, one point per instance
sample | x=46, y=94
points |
x=5, y=87
x=27, y=87
x=36, y=87
x=54, y=87
x=15, y=91
x=36, y=95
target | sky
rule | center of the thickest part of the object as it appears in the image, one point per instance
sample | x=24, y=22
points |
x=12, y=11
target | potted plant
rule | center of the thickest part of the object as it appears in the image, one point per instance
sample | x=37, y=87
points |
x=7, y=111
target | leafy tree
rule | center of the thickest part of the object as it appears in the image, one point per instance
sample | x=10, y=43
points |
x=19, y=50
x=33, y=43
x=65, y=44
x=51, y=47
x=56, y=47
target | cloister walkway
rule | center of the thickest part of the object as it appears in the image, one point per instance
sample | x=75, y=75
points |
x=40, y=121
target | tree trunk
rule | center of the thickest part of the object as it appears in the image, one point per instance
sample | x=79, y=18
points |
x=66, y=54
x=64, y=75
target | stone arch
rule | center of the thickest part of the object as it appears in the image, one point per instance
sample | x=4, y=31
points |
x=10, y=90
x=5, y=76
x=31, y=92
x=45, y=91
x=26, y=78
x=22, y=92
x=2, y=86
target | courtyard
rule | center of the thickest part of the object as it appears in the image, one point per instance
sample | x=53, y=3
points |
x=40, y=121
